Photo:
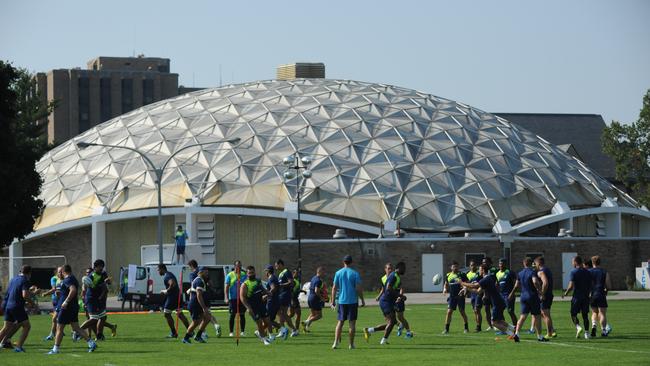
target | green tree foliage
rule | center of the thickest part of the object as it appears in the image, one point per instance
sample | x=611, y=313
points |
x=22, y=143
x=629, y=146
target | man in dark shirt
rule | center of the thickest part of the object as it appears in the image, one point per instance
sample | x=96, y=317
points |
x=286, y=285
x=316, y=298
x=530, y=285
x=387, y=299
x=272, y=300
x=601, y=284
x=455, y=300
x=580, y=284
x=506, y=280
x=172, y=301
x=15, y=315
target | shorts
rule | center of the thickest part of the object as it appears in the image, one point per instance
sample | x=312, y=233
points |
x=400, y=307
x=259, y=312
x=454, y=302
x=348, y=312
x=387, y=308
x=497, y=312
x=547, y=302
x=510, y=303
x=196, y=311
x=599, y=302
x=295, y=303
x=579, y=306
x=272, y=308
x=486, y=301
x=315, y=303
x=285, y=300
x=68, y=316
x=530, y=306
x=16, y=315
x=171, y=304
x=232, y=307
x=477, y=302
x=95, y=309
x=180, y=250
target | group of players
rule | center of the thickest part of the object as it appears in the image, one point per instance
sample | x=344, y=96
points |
x=273, y=303
x=494, y=290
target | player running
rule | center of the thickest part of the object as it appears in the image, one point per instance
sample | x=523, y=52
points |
x=286, y=286
x=580, y=284
x=489, y=286
x=294, y=310
x=546, y=295
x=530, y=285
x=273, y=298
x=54, y=291
x=68, y=311
x=452, y=286
x=316, y=299
x=13, y=308
x=400, y=303
x=389, y=295
x=233, y=281
x=506, y=283
x=347, y=286
x=194, y=273
x=601, y=285
x=476, y=300
x=172, y=300
x=486, y=299
x=96, y=292
x=252, y=294
x=198, y=307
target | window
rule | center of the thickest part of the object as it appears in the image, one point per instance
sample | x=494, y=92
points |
x=105, y=99
x=478, y=257
x=127, y=95
x=141, y=274
x=84, y=104
x=147, y=91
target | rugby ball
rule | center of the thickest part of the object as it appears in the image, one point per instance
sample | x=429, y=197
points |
x=436, y=279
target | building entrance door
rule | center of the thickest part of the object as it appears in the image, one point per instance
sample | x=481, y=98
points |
x=431, y=265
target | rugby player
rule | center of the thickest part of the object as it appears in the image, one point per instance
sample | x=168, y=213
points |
x=272, y=299
x=252, y=294
x=316, y=299
x=580, y=284
x=233, y=279
x=171, y=302
x=476, y=300
x=486, y=299
x=54, y=291
x=452, y=286
x=13, y=307
x=506, y=283
x=294, y=310
x=400, y=303
x=530, y=285
x=601, y=285
x=198, y=307
x=387, y=299
x=546, y=295
x=347, y=286
x=286, y=286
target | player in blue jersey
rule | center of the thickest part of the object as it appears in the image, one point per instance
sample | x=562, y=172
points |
x=198, y=307
x=601, y=285
x=489, y=285
x=173, y=301
x=286, y=285
x=194, y=272
x=506, y=283
x=580, y=284
x=233, y=282
x=54, y=291
x=13, y=307
x=273, y=298
x=530, y=286
x=546, y=295
x=294, y=309
x=456, y=299
x=346, y=293
x=387, y=298
x=96, y=292
x=487, y=303
x=252, y=294
x=316, y=298
x=473, y=276
x=68, y=311
x=400, y=303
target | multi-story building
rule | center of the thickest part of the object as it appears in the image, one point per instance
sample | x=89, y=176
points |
x=109, y=87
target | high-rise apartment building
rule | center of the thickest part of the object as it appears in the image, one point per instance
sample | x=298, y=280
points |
x=109, y=87
x=296, y=70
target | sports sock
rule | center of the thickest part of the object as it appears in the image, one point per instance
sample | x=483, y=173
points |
x=447, y=327
x=371, y=330
x=231, y=322
x=509, y=332
x=511, y=327
x=307, y=322
x=242, y=322
x=466, y=326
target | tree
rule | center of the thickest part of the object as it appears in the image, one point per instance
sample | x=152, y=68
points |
x=22, y=143
x=629, y=146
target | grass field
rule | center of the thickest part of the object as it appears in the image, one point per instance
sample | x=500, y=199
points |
x=141, y=341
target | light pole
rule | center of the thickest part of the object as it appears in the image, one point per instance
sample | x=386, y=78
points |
x=295, y=164
x=159, y=173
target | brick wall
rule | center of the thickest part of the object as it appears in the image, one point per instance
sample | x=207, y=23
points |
x=620, y=257
x=74, y=244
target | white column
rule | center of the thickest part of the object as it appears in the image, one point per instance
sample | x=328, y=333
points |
x=15, y=250
x=190, y=226
x=291, y=211
x=98, y=241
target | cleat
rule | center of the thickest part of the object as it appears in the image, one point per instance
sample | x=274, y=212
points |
x=399, y=330
x=515, y=338
x=466, y=331
x=204, y=336
x=53, y=352
x=99, y=337
x=48, y=338
x=603, y=334
x=366, y=334
x=335, y=345
x=409, y=335
x=187, y=341
x=477, y=330
x=543, y=339
x=294, y=333
x=266, y=342
x=199, y=339
x=217, y=330
x=383, y=341
x=92, y=346
x=593, y=331
x=531, y=331
x=172, y=335
x=587, y=336
x=608, y=328
x=231, y=334
x=242, y=334
x=19, y=350
x=500, y=333
x=579, y=331
x=7, y=345
x=554, y=335
x=351, y=346
x=271, y=337
x=445, y=332
x=114, y=331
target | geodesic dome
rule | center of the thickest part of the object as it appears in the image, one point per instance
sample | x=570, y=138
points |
x=379, y=152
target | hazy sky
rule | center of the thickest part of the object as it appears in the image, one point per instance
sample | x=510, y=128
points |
x=501, y=56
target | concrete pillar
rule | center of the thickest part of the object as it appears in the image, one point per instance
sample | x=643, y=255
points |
x=15, y=250
x=98, y=241
x=291, y=210
x=506, y=242
x=191, y=227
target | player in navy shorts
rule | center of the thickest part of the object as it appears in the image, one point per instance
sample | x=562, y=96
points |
x=273, y=299
x=13, y=307
x=252, y=294
x=286, y=285
x=172, y=302
x=387, y=299
x=580, y=284
x=316, y=298
x=546, y=295
x=530, y=284
x=198, y=307
x=476, y=300
x=601, y=284
x=456, y=299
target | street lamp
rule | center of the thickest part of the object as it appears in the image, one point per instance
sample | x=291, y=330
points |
x=295, y=164
x=159, y=173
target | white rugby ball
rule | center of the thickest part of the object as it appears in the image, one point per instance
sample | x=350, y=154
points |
x=436, y=279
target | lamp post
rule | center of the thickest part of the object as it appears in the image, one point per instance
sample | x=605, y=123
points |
x=295, y=164
x=159, y=173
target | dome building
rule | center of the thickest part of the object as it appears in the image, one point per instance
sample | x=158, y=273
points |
x=397, y=169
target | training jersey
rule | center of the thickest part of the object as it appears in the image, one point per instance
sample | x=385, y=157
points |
x=453, y=280
x=549, y=280
x=97, y=285
x=198, y=284
x=598, y=279
x=254, y=292
x=346, y=280
x=172, y=292
x=489, y=286
x=506, y=281
x=231, y=279
x=581, y=283
x=194, y=274
x=315, y=286
x=14, y=297
x=55, y=283
x=295, y=290
x=180, y=237
x=493, y=270
x=528, y=289
x=273, y=280
x=66, y=285
x=284, y=277
x=391, y=288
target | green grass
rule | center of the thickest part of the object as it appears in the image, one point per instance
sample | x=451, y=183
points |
x=141, y=341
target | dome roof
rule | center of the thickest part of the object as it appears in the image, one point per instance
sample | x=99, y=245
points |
x=379, y=152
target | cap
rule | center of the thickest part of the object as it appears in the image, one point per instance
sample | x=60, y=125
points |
x=503, y=260
x=347, y=258
x=269, y=268
x=203, y=268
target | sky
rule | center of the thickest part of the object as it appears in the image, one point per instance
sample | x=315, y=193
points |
x=499, y=56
